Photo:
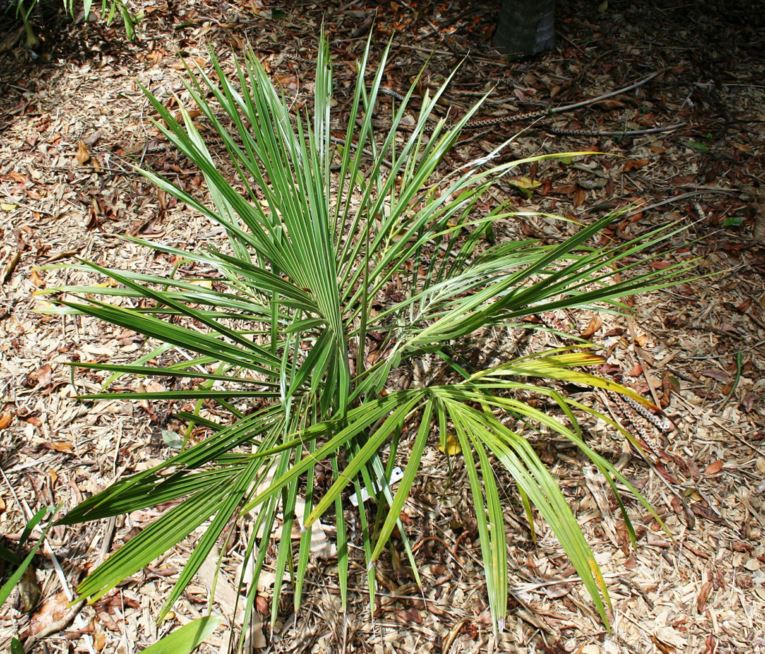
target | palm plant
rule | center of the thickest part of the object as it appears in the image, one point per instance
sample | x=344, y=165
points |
x=347, y=262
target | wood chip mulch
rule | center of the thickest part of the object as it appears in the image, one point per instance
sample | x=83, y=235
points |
x=73, y=119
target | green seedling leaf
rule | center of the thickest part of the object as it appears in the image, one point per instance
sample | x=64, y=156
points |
x=733, y=221
x=698, y=146
x=186, y=639
x=172, y=440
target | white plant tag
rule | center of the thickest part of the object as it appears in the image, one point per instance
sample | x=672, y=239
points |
x=395, y=476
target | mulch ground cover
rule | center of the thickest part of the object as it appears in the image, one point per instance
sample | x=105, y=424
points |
x=685, y=142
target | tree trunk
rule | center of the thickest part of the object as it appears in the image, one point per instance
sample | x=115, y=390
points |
x=525, y=27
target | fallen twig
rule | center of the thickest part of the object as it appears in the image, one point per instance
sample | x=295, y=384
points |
x=754, y=448
x=551, y=111
x=674, y=198
x=618, y=133
x=604, y=96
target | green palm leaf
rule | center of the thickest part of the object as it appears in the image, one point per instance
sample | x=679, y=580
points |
x=342, y=267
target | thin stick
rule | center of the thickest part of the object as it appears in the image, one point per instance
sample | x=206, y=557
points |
x=629, y=132
x=712, y=189
x=550, y=111
x=605, y=96
x=754, y=448
x=674, y=198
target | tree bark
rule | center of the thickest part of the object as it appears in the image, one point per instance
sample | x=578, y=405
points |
x=525, y=27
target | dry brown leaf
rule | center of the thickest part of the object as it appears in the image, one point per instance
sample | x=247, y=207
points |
x=716, y=374
x=11, y=37
x=62, y=446
x=225, y=593
x=83, y=153
x=37, y=278
x=701, y=599
x=6, y=418
x=668, y=639
x=261, y=604
x=610, y=105
x=714, y=468
x=556, y=592
x=110, y=623
x=635, y=371
x=407, y=616
x=29, y=590
x=595, y=324
x=52, y=610
x=99, y=640
x=191, y=113
x=641, y=340
x=44, y=375
x=663, y=647
x=580, y=195
x=634, y=164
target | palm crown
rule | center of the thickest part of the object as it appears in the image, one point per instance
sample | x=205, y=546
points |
x=300, y=336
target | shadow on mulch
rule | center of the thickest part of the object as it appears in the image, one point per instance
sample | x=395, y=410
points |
x=24, y=70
